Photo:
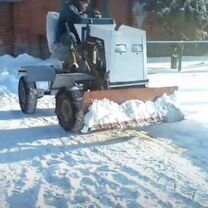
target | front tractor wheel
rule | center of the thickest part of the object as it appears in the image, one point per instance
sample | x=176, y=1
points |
x=27, y=96
x=69, y=110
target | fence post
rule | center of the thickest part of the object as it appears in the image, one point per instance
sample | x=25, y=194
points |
x=174, y=61
x=180, y=56
x=174, y=57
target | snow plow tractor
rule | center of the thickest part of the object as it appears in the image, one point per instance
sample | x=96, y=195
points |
x=112, y=65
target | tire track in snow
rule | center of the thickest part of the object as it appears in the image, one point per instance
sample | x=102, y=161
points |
x=186, y=198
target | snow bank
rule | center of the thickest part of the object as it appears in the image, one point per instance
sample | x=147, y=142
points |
x=9, y=67
x=104, y=111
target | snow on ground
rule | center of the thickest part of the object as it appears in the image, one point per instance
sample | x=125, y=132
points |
x=155, y=166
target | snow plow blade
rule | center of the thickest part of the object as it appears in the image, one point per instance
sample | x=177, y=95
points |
x=119, y=96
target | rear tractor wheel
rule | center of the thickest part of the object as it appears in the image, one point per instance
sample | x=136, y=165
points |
x=69, y=109
x=27, y=96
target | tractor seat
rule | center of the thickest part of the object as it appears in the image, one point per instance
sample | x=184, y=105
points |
x=54, y=48
x=51, y=25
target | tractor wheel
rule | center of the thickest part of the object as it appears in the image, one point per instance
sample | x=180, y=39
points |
x=27, y=96
x=69, y=110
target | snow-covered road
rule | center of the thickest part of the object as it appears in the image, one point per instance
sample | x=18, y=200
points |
x=156, y=166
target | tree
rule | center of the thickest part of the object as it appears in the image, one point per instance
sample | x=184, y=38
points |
x=182, y=19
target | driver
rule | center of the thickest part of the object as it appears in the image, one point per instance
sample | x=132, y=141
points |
x=72, y=13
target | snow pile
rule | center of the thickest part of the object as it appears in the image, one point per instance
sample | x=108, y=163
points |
x=169, y=109
x=103, y=112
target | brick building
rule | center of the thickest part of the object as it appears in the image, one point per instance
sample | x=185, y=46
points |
x=23, y=25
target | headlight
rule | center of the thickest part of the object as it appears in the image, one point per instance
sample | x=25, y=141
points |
x=120, y=48
x=136, y=48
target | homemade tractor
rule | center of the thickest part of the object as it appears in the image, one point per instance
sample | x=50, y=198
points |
x=112, y=65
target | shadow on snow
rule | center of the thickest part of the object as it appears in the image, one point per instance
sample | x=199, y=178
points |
x=17, y=114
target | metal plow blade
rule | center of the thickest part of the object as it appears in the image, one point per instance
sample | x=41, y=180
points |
x=119, y=96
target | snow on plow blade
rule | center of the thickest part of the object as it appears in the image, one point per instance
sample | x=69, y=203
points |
x=120, y=96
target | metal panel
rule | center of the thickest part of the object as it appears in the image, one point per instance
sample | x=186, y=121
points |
x=126, y=84
x=38, y=73
x=129, y=65
x=68, y=80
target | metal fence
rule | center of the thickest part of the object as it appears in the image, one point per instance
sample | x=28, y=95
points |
x=176, y=50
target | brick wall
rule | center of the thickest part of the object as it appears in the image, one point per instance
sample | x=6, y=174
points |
x=30, y=26
x=121, y=11
x=6, y=28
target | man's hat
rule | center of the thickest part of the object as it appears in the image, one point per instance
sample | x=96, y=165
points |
x=76, y=2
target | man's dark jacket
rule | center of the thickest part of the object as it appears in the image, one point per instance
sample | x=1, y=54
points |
x=71, y=15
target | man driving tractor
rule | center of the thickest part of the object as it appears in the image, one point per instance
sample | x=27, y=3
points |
x=72, y=12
